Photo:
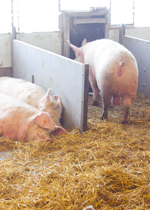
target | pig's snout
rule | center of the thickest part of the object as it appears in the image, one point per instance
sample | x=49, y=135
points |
x=44, y=138
x=50, y=140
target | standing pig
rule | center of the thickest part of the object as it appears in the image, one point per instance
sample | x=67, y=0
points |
x=112, y=70
x=23, y=122
x=33, y=95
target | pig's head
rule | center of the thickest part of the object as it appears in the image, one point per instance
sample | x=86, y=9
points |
x=37, y=133
x=52, y=105
x=40, y=125
x=78, y=51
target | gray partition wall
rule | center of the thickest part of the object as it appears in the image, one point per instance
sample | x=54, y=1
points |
x=141, y=50
x=67, y=78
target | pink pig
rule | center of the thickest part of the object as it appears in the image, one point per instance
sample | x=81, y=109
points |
x=23, y=122
x=33, y=95
x=112, y=70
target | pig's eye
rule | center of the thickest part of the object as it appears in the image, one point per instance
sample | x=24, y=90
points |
x=56, y=107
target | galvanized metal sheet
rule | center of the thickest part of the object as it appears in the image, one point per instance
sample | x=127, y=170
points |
x=65, y=76
x=141, y=50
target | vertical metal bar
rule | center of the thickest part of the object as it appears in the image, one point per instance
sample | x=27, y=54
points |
x=66, y=34
x=123, y=29
x=68, y=37
x=18, y=15
x=85, y=100
x=110, y=11
x=12, y=13
x=133, y=12
x=12, y=34
x=121, y=32
x=32, y=78
x=62, y=42
x=59, y=6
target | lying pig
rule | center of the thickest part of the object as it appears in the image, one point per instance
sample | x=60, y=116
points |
x=33, y=95
x=20, y=121
x=112, y=70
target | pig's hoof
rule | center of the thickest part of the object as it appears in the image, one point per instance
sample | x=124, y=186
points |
x=111, y=106
x=95, y=103
x=104, y=116
x=124, y=122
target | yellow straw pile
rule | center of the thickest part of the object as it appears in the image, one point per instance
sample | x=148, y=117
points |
x=107, y=166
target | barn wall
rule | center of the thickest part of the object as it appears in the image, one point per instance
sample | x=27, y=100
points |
x=50, y=41
x=113, y=34
x=137, y=32
x=5, y=54
x=140, y=49
x=67, y=78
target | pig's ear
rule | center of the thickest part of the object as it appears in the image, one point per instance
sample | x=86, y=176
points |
x=58, y=100
x=84, y=42
x=58, y=130
x=74, y=48
x=45, y=100
x=44, y=120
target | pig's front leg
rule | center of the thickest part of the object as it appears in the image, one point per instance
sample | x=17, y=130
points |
x=94, y=86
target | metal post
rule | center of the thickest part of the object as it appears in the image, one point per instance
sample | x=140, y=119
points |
x=85, y=101
x=13, y=34
x=133, y=12
x=18, y=16
x=121, y=32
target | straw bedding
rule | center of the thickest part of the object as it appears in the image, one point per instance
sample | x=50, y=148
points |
x=107, y=166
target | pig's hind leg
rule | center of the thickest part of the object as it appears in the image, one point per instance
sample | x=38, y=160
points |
x=94, y=86
x=106, y=104
x=127, y=101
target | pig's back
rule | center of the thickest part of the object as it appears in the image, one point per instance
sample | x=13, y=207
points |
x=105, y=56
x=11, y=105
x=21, y=89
